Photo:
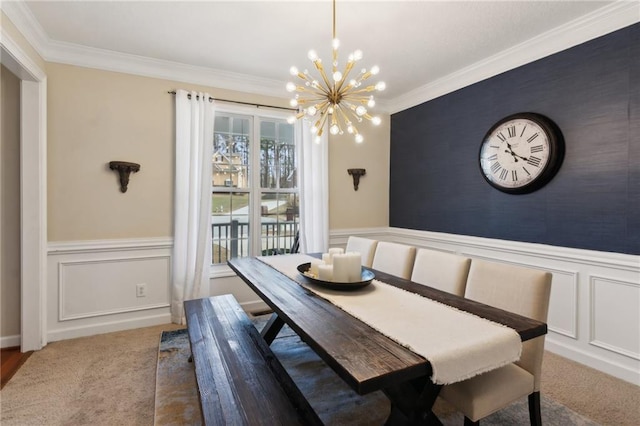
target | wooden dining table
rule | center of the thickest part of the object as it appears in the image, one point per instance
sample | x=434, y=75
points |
x=363, y=357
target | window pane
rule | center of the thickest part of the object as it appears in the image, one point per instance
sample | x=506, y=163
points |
x=231, y=152
x=279, y=219
x=229, y=226
x=277, y=155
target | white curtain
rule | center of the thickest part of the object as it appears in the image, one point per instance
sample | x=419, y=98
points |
x=192, y=204
x=314, y=190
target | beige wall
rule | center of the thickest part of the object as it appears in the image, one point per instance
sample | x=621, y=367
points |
x=368, y=207
x=98, y=116
x=9, y=203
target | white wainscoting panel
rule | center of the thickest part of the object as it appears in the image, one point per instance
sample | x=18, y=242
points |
x=615, y=306
x=92, y=286
x=594, y=312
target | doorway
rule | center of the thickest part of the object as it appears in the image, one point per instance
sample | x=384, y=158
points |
x=33, y=191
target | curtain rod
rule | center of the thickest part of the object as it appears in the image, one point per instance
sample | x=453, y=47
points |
x=173, y=92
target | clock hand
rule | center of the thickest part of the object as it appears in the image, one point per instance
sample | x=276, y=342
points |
x=510, y=151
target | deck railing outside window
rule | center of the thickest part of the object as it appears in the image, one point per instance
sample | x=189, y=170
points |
x=231, y=239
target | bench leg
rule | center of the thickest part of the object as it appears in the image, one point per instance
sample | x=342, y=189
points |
x=272, y=328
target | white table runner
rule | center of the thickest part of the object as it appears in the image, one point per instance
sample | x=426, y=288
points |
x=458, y=345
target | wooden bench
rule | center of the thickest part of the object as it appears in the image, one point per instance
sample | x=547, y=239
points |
x=240, y=381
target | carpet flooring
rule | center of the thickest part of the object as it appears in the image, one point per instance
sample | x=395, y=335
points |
x=336, y=404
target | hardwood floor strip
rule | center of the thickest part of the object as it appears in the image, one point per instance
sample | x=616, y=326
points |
x=11, y=360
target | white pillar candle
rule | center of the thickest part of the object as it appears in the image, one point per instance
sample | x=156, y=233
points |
x=313, y=268
x=355, y=267
x=326, y=258
x=325, y=272
x=341, y=268
x=336, y=250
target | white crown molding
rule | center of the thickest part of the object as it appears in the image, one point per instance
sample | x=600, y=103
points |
x=598, y=23
x=73, y=54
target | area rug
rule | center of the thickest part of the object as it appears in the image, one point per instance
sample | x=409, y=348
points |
x=176, y=400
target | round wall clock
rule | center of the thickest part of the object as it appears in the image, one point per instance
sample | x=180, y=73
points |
x=521, y=153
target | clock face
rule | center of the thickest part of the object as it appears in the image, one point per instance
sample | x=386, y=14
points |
x=521, y=153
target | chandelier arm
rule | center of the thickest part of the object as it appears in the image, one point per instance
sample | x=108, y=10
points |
x=320, y=69
x=351, y=97
x=321, y=121
x=347, y=70
x=348, y=123
x=366, y=89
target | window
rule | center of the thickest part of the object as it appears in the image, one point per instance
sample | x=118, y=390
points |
x=254, y=185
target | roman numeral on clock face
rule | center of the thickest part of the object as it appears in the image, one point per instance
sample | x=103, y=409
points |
x=534, y=161
x=514, y=175
x=536, y=148
x=512, y=131
x=501, y=137
x=494, y=157
x=532, y=137
x=504, y=173
x=495, y=167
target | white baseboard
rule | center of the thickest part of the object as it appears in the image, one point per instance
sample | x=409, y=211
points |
x=590, y=360
x=108, y=327
x=10, y=341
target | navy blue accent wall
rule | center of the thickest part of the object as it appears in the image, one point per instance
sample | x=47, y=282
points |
x=592, y=91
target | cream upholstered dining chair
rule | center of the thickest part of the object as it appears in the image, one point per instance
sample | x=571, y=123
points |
x=364, y=246
x=524, y=291
x=444, y=271
x=395, y=259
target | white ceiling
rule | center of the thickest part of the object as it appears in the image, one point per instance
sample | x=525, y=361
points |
x=415, y=43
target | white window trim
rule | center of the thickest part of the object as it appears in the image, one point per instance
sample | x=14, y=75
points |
x=221, y=270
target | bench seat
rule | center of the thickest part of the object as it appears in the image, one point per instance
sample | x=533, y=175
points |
x=240, y=381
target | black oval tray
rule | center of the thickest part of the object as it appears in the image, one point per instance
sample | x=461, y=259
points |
x=367, y=277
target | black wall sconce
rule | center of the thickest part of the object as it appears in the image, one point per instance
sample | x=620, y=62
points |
x=356, y=173
x=124, y=169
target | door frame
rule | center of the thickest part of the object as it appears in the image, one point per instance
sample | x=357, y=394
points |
x=33, y=192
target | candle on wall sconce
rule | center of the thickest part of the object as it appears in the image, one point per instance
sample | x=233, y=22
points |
x=124, y=169
x=356, y=173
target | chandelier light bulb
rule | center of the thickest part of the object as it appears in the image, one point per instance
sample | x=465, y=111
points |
x=291, y=119
x=371, y=102
x=317, y=140
x=335, y=43
x=359, y=138
x=376, y=121
x=293, y=102
x=312, y=55
x=311, y=111
x=314, y=129
x=360, y=110
x=375, y=70
x=380, y=86
x=293, y=71
x=291, y=87
x=337, y=76
x=350, y=129
x=334, y=129
x=357, y=55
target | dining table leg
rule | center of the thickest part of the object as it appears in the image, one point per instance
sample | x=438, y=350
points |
x=272, y=328
x=412, y=403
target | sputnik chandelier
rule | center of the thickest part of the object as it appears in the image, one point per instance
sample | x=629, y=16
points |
x=342, y=102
